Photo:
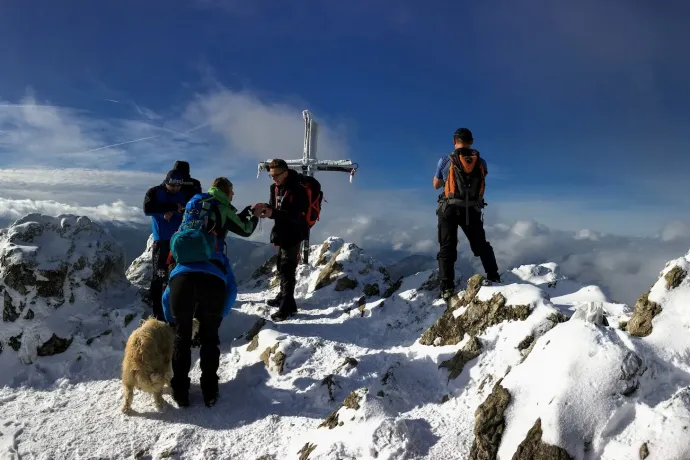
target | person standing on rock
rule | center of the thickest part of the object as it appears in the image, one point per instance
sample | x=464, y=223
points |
x=287, y=206
x=191, y=186
x=164, y=203
x=203, y=287
x=462, y=176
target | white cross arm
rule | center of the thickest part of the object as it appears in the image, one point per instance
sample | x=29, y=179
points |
x=316, y=165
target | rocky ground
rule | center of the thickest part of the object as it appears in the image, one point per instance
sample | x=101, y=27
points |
x=537, y=367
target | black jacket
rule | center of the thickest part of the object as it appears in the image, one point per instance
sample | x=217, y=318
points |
x=290, y=226
x=191, y=186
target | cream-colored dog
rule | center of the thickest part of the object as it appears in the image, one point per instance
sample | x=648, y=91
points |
x=147, y=364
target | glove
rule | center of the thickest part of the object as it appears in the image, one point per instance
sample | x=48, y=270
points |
x=246, y=213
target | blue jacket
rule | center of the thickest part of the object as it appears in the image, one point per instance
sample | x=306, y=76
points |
x=205, y=267
x=159, y=201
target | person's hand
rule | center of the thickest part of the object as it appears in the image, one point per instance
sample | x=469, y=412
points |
x=167, y=215
x=268, y=212
x=180, y=207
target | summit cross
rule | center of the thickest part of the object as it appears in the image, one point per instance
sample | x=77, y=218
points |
x=309, y=164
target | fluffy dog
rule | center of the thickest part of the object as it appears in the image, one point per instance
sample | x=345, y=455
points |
x=147, y=364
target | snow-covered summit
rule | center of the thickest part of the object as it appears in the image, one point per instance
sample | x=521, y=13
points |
x=537, y=367
x=62, y=278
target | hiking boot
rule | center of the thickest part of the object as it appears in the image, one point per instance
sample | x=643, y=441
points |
x=283, y=314
x=494, y=277
x=210, y=399
x=275, y=301
x=446, y=294
x=181, y=398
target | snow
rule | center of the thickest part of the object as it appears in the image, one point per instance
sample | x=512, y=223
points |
x=347, y=377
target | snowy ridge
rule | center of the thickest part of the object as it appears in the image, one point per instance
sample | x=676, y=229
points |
x=537, y=367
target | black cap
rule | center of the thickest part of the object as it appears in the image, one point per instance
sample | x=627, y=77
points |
x=464, y=135
x=174, y=178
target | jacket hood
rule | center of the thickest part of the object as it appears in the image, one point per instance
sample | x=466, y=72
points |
x=219, y=195
x=182, y=166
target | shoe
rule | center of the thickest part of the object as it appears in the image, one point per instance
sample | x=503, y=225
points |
x=446, y=294
x=282, y=315
x=182, y=399
x=275, y=301
x=210, y=400
x=494, y=278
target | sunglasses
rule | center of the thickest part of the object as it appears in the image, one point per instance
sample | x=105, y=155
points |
x=273, y=176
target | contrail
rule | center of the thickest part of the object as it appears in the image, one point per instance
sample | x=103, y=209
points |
x=112, y=145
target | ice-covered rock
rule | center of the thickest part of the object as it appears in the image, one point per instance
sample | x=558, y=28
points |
x=60, y=277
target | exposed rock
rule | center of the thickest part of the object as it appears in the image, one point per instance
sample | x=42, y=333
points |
x=33, y=259
x=674, y=277
x=326, y=276
x=306, y=451
x=533, y=448
x=478, y=316
x=15, y=342
x=330, y=382
x=29, y=314
x=455, y=365
x=322, y=259
x=631, y=369
x=640, y=323
x=644, y=451
x=372, y=289
x=274, y=359
x=9, y=311
x=345, y=283
x=432, y=283
x=392, y=288
x=349, y=362
x=254, y=344
x=55, y=345
x=267, y=267
x=526, y=342
x=489, y=424
x=129, y=318
x=351, y=402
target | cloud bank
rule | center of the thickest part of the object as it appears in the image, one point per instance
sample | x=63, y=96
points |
x=64, y=160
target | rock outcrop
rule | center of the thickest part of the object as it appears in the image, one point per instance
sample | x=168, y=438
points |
x=54, y=272
x=479, y=315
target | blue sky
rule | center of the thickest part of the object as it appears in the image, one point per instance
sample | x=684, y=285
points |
x=580, y=109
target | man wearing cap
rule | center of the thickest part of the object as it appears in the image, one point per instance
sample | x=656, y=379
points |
x=462, y=177
x=165, y=204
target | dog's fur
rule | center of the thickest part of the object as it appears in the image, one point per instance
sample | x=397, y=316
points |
x=147, y=364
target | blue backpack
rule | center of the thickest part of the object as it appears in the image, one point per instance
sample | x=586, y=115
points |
x=194, y=241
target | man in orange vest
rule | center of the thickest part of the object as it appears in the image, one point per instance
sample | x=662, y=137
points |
x=462, y=176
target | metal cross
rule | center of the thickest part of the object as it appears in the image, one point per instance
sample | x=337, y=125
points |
x=309, y=164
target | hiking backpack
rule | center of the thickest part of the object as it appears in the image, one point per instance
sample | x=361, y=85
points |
x=314, y=198
x=466, y=178
x=312, y=189
x=194, y=241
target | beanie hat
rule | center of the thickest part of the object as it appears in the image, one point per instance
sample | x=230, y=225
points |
x=464, y=135
x=174, y=178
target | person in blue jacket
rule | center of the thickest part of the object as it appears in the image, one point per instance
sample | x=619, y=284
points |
x=205, y=290
x=164, y=203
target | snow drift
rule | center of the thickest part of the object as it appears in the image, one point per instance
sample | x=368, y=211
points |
x=538, y=367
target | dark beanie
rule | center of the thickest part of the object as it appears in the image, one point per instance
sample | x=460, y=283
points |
x=464, y=135
x=174, y=178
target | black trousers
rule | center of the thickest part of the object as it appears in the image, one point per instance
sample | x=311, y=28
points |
x=159, y=278
x=203, y=294
x=286, y=264
x=449, y=219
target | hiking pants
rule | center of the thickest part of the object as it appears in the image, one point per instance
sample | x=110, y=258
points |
x=450, y=217
x=204, y=294
x=286, y=264
x=159, y=278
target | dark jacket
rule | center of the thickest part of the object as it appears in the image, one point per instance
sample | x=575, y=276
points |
x=191, y=186
x=157, y=202
x=290, y=226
